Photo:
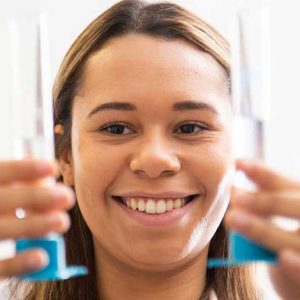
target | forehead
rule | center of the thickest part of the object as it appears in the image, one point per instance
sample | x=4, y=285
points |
x=139, y=65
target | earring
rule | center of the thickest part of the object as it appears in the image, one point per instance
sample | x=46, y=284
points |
x=59, y=129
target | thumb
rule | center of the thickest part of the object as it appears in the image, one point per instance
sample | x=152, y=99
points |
x=264, y=176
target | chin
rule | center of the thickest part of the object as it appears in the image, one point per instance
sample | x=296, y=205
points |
x=165, y=256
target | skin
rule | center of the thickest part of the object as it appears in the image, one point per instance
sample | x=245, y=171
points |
x=276, y=195
x=152, y=153
x=165, y=264
x=21, y=187
x=131, y=260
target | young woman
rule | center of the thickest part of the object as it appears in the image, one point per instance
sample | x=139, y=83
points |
x=143, y=138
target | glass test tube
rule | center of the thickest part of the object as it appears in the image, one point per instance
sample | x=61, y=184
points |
x=250, y=82
x=251, y=87
x=32, y=126
x=251, y=103
x=250, y=100
x=32, y=116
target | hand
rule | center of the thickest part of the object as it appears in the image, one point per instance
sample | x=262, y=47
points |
x=276, y=195
x=21, y=187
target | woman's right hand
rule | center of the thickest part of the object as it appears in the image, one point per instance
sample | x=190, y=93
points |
x=45, y=207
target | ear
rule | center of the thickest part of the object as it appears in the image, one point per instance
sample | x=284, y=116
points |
x=66, y=167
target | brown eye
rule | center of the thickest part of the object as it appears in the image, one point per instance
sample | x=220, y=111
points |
x=190, y=128
x=118, y=129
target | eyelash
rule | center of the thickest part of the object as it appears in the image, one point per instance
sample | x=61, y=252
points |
x=105, y=127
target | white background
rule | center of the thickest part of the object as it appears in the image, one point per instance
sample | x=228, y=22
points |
x=68, y=18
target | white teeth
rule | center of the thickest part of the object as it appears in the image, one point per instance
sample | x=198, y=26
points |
x=133, y=204
x=170, y=205
x=177, y=203
x=150, y=207
x=155, y=207
x=141, y=205
x=161, y=206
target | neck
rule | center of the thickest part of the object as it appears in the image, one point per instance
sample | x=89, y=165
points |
x=116, y=281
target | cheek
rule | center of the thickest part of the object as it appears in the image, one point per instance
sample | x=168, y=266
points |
x=215, y=169
x=95, y=168
x=96, y=165
x=210, y=162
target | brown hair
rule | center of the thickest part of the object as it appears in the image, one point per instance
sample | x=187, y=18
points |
x=162, y=20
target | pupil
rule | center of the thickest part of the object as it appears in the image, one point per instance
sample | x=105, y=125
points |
x=116, y=129
x=188, y=128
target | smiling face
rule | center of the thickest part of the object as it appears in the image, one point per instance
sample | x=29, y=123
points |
x=152, y=120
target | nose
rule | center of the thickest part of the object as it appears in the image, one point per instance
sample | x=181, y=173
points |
x=155, y=158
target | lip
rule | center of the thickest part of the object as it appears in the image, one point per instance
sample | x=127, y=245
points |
x=169, y=218
x=163, y=195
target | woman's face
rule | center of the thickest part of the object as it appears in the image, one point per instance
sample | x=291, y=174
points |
x=152, y=123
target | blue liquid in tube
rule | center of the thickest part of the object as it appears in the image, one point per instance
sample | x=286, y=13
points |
x=250, y=93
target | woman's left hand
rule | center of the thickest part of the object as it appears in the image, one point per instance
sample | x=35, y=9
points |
x=276, y=195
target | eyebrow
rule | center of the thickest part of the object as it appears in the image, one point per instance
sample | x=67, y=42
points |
x=179, y=106
x=191, y=105
x=113, y=106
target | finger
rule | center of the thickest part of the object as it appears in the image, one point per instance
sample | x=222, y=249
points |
x=265, y=177
x=261, y=231
x=24, y=262
x=34, y=226
x=26, y=170
x=38, y=198
x=285, y=275
x=289, y=261
x=281, y=203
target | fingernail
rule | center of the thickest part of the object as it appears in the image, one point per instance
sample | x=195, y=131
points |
x=245, y=164
x=248, y=165
x=59, y=221
x=37, y=260
x=244, y=200
x=61, y=194
x=239, y=220
x=43, y=167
